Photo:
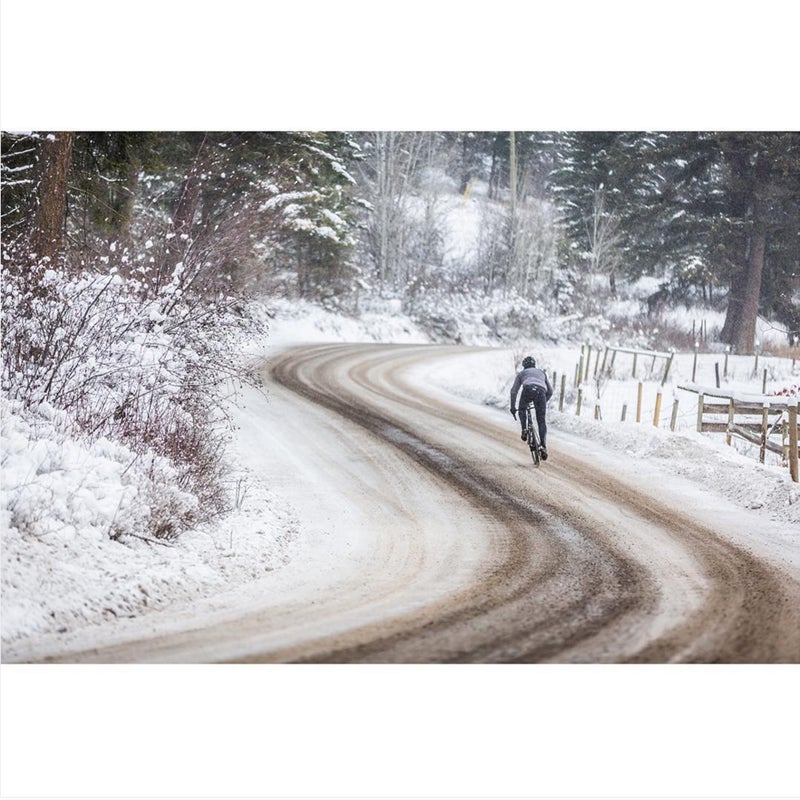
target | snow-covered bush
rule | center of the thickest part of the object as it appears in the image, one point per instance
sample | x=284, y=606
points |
x=129, y=365
x=450, y=315
x=62, y=485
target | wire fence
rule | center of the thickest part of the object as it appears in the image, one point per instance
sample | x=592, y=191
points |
x=636, y=389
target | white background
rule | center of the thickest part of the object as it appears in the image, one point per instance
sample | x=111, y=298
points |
x=682, y=731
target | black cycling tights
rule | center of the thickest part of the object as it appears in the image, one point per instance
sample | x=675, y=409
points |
x=539, y=397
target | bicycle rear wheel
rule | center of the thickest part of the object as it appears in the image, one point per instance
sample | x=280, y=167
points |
x=533, y=436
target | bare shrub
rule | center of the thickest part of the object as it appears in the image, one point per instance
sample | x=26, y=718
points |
x=147, y=365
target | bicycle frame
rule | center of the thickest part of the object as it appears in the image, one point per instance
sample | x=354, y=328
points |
x=532, y=424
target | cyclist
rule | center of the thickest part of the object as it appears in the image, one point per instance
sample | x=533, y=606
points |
x=535, y=387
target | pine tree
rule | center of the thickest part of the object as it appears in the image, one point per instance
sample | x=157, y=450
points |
x=764, y=173
x=725, y=201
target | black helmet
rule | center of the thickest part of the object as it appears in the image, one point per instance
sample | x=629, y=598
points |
x=528, y=361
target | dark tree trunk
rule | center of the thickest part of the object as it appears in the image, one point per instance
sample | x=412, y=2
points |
x=745, y=333
x=493, y=176
x=733, y=315
x=737, y=155
x=494, y=172
x=49, y=220
x=465, y=164
x=126, y=202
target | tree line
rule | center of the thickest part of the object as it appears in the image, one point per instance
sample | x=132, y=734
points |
x=331, y=215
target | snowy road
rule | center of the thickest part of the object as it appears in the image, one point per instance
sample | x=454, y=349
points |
x=458, y=550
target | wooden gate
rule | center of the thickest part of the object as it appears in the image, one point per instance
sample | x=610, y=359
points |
x=766, y=421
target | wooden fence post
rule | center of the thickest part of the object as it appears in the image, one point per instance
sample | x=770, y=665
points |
x=694, y=365
x=578, y=371
x=700, y=412
x=639, y=403
x=793, y=442
x=634, y=366
x=624, y=412
x=674, y=418
x=597, y=414
x=596, y=363
x=561, y=396
x=657, y=412
x=731, y=411
x=764, y=383
x=725, y=368
x=785, y=439
x=588, y=361
x=605, y=356
x=716, y=372
x=764, y=430
x=578, y=406
x=667, y=365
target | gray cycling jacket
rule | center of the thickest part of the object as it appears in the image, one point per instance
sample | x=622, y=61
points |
x=532, y=376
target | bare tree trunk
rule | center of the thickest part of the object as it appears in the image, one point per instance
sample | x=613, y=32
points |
x=186, y=206
x=183, y=215
x=397, y=158
x=605, y=241
x=47, y=230
x=385, y=143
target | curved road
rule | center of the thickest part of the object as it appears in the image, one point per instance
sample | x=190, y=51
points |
x=472, y=554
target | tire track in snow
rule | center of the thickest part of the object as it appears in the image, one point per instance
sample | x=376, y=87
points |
x=589, y=585
x=476, y=556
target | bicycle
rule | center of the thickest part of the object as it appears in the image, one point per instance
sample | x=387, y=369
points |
x=532, y=427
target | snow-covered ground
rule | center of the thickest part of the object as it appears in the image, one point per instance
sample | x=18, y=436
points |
x=732, y=471
x=60, y=569
x=63, y=572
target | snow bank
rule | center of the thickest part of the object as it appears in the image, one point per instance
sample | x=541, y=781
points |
x=73, y=519
x=298, y=321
